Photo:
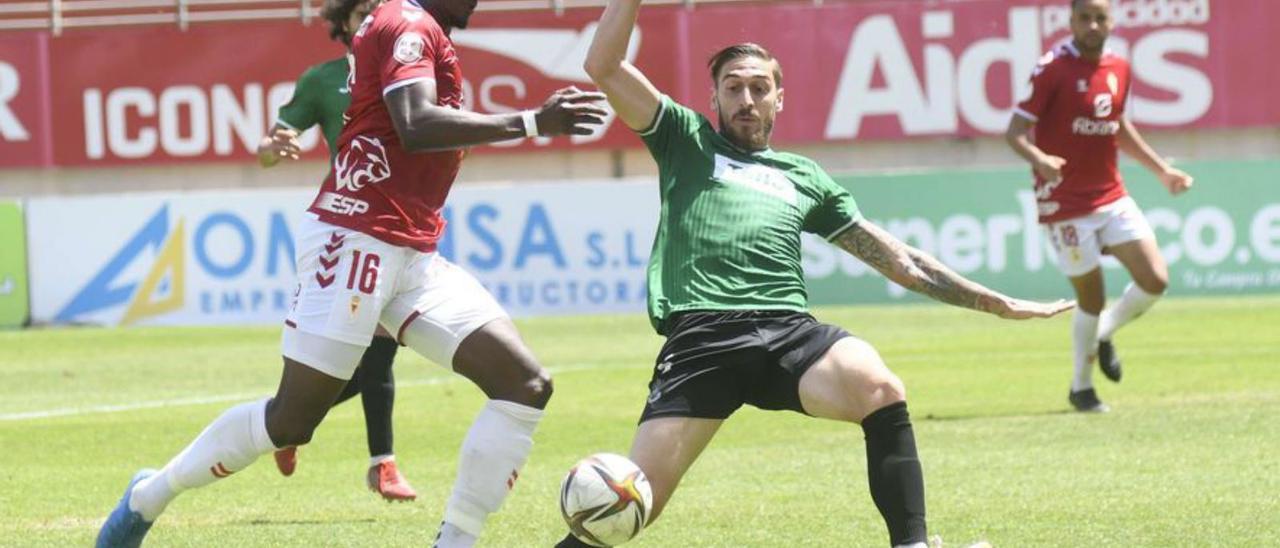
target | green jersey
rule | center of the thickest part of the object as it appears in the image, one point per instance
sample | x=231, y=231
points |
x=729, y=230
x=320, y=97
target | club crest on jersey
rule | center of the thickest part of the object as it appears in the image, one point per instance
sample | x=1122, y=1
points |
x=1082, y=85
x=409, y=48
x=364, y=162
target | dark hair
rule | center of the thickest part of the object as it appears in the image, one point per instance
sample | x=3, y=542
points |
x=745, y=49
x=1075, y=4
x=336, y=12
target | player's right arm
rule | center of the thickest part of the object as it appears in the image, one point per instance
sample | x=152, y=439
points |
x=1026, y=114
x=1048, y=166
x=919, y=272
x=404, y=57
x=630, y=93
x=422, y=125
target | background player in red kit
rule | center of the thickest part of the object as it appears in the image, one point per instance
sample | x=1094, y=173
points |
x=1079, y=94
x=366, y=255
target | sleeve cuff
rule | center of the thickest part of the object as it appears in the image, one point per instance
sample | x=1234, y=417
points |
x=837, y=232
x=657, y=118
x=402, y=83
x=1020, y=112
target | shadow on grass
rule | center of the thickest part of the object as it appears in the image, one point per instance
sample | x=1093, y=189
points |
x=1008, y=415
x=327, y=521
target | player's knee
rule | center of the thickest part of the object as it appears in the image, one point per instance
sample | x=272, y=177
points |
x=536, y=391
x=285, y=435
x=1156, y=284
x=888, y=389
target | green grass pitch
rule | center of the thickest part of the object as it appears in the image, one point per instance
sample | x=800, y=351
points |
x=1188, y=457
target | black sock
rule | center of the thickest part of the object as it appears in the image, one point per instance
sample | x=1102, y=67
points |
x=893, y=470
x=571, y=541
x=378, y=393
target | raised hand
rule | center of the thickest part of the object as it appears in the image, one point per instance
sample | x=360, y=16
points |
x=571, y=111
x=280, y=143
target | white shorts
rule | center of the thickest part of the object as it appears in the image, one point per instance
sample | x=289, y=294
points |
x=1080, y=241
x=349, y=282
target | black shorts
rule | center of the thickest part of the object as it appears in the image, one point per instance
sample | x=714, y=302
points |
x=713, y=362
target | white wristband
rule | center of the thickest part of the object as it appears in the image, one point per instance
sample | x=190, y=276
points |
x=530, y=123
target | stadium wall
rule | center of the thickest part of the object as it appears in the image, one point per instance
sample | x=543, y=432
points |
x=225, y=257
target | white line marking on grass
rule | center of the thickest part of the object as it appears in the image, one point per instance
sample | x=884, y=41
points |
x=244, y=396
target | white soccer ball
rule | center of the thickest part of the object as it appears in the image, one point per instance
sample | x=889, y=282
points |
x=605, y=499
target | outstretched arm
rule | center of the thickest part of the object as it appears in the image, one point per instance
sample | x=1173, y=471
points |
x=424, y=126
x=917, y=271
x=1135, y=146
x=630, y=93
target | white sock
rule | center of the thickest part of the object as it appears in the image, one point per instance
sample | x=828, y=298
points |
x=374, y=461
x=492, y=453
x=452, y=537
x=1084, y=338
x=229, y=444
x=1132, y=304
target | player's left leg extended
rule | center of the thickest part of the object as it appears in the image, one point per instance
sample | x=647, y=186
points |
x=1150, y=274
x=1129, y=238
x=851, y=383
x=450, y=319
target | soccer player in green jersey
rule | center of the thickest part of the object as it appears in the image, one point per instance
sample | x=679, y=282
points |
x=727, y=290
x=321, y=97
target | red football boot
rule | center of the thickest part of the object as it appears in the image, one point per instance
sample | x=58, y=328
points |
x=287, y=460
x=385, y=479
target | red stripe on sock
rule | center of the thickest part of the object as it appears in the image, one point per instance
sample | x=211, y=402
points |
x=220, y=470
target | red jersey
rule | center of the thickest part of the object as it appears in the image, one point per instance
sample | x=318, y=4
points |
x=1077, y=105
x=375, y=186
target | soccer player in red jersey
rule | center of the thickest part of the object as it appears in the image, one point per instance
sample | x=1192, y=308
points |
x=320, y=99
x=1080, y=91
x=367, y=256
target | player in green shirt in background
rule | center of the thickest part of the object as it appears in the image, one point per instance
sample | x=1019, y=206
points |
x=321, y=97
x=727, y=290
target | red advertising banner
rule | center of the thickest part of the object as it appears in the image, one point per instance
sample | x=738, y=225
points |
x=208, y=93
x=24, y=121
x=161, y=94
x=888, y=70
x=858, y=70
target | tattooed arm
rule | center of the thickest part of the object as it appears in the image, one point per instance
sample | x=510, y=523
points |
x=917, y=271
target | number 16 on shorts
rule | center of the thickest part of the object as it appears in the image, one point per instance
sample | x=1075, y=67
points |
x=342, y=287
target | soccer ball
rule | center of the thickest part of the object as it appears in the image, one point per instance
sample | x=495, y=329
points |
x=605, y=499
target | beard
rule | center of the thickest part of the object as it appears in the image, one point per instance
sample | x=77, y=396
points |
x=747, y=139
